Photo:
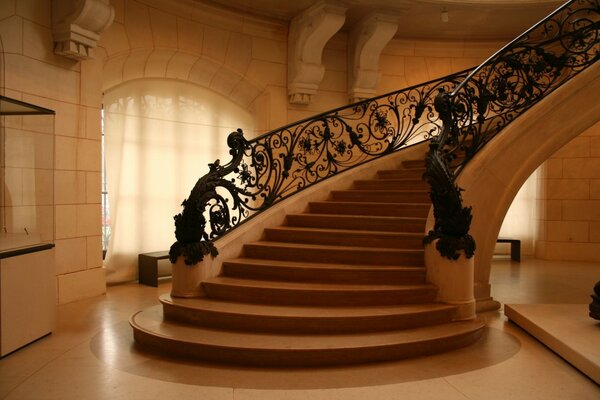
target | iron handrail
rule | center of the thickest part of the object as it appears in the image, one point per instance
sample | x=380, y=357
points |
x=505, y=86
x=271, y=167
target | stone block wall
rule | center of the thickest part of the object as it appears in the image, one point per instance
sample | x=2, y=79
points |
x=34, y=74
x=569, y=201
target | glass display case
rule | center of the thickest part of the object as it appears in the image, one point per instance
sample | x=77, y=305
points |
x=27, y=173
x=27, y=270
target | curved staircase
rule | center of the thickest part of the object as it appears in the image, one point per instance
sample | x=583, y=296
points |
x=342, y=283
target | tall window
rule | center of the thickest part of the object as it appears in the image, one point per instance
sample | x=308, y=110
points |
x=160, y=135
x=105, y=205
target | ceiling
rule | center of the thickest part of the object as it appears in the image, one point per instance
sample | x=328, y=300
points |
x=467, y=19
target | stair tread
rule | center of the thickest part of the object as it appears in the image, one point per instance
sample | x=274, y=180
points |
x=365, y=203
x=151, y=321
x=371, y=217
x=347, y=231
x=317, y=266
x=265, y=243
x=390, y=180
x=321, y=312
x=404, y=168
x=316, y=286
x=378, y=191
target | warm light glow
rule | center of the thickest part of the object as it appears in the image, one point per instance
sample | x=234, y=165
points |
x=521, y=220
x=160, y=137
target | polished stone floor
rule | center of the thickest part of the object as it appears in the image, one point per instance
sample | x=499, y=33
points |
x=91, y=355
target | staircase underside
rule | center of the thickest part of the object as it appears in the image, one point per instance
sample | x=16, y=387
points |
x=343, y=283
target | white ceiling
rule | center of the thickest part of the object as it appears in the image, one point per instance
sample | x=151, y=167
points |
x=468, y=19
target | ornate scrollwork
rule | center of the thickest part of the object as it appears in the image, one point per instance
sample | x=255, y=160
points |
x=276, y=165
x=493, y=95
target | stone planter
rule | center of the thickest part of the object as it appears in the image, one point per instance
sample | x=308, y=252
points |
x=187, y=279
x=454, y=279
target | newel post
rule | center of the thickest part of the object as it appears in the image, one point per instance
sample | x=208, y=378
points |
x=454, y=279
x=449, y=248
x=187, y=279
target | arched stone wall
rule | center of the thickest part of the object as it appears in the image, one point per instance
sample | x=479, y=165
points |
x=237, y=56
x=200, y=70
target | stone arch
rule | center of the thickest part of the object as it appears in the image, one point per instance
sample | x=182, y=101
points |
x=178, y=65
x=492, y=179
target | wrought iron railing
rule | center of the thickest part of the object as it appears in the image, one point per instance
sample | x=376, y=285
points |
x=274, y=166
x=505, y=86
x=461, y=112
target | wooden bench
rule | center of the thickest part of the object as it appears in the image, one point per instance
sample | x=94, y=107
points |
x=148, y=267
x=515, y=247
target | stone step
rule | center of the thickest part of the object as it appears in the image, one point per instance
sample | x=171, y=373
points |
x=261, y=269
x=296, y=350
x=391, y=184
x=413, y=164
x=365, y=208
x=358, y=222
x=315, y=294
x=413, y=173
x=383, y=196
x=218, y=314
x=334, y=254
x=344, y=237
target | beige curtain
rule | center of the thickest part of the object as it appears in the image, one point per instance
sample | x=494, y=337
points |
x=521, y=220
x=160, y=136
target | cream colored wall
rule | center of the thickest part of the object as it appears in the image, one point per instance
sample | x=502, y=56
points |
x=233, y=55
x=403, y=63
x=34, y=74
x=569, y=200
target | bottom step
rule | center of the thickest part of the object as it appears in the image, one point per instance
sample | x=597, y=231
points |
x=287, y=350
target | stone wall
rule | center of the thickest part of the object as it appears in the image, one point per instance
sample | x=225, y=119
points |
x=569, y=201
x=32, y=73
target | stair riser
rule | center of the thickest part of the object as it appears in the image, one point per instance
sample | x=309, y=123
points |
x=401, y=174
x=341, y=256
x=381, y=196
x=344, y=239
x=314, y=325
x=283, y=296
x=363, y=224
x=391, y=209
x=389, y=184
x=275, y=273
x=411, y=164
x=302, y=358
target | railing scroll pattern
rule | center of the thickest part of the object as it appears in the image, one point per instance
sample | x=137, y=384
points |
x=274, y=166
x=510, y=82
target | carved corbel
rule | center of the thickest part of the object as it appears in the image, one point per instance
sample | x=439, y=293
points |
x=366, y=42
x=77, y=25
x=309, y=33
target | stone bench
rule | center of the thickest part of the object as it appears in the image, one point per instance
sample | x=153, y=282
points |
x=148, y=267
x=515, y=247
